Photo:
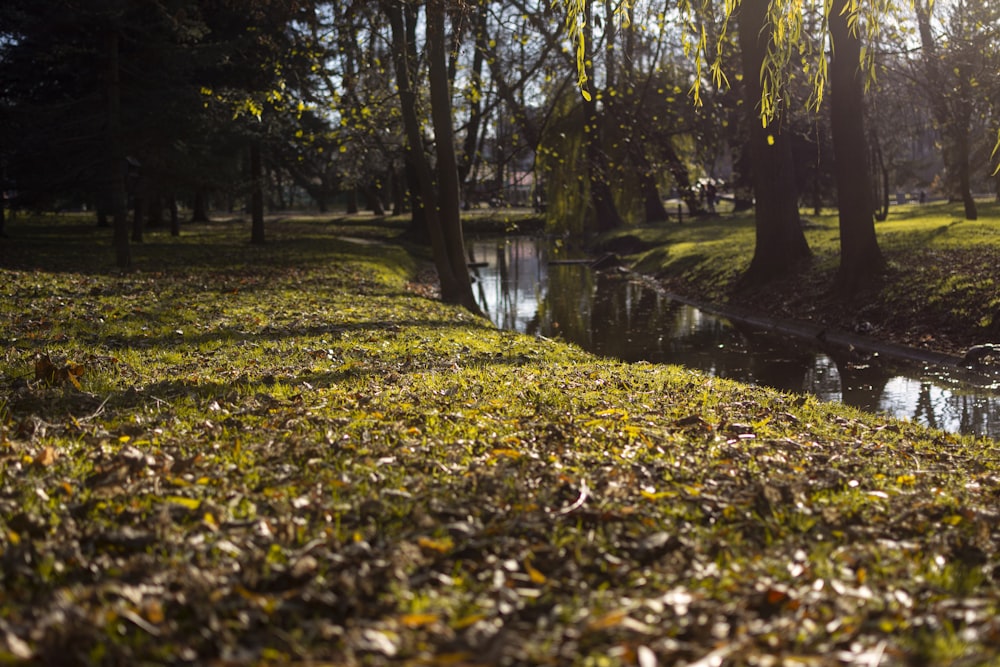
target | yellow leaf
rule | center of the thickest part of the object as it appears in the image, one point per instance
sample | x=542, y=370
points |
x=586, y=95
x=190, y=503
x=153, y=611
x=609, y=620
x=510, y=453
x=536, y=576
x=443, y=545
x=418, y=620
x=457, y=658
x=466, y=621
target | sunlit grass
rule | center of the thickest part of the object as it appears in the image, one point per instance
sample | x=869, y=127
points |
x=939, y=290
x=283, y=453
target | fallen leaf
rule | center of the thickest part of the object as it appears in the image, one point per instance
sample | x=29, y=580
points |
x=609, y=620
x=418, y=620
x=443, y=545
x=48, y=456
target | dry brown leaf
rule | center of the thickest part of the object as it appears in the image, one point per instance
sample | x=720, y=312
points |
x=48, y=456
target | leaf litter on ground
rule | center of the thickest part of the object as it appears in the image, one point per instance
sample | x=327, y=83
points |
x=283, y=454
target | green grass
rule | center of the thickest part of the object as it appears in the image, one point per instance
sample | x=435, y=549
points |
x=940, y=290
x=286, y=454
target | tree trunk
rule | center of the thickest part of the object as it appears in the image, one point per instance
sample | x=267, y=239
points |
x=449, y=202
x=138, y=201
x=601, y=196
x=453, y=275
x=653, y=209
x=398, y=195
x=964, y=172
x=953, y=121
x=419, y=229
x=199, y=209
x=175, y=221
x=471, y=142
x=374, y=198
x=780, y=243
x=103, y=206
x=256, y=194
x=861, y=259
x=682, y=179
x=880, y=182
x=116, y=149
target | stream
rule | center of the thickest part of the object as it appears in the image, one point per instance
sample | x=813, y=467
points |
x=610, y=314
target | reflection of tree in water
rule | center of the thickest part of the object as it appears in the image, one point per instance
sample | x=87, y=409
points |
x=925, y=413
x=564, y=309
x=861, y=382
x=787, y=369
x=508, y=284
x=977, y=415
x=628, y=319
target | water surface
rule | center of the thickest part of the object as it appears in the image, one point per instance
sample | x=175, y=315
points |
x=613, y=315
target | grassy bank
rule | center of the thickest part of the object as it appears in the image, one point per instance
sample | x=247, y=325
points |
x=263, y=455
x=939, y=293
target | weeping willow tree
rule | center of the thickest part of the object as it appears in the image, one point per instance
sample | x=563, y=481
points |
x=847, y=29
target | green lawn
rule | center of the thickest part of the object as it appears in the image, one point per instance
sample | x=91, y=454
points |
x=275, y=454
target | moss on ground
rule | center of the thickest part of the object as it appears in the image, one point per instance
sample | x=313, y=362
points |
x=285, y=453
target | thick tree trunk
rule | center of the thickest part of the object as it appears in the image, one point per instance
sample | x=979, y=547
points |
x=440, y=214
x=449, y=187
x=861, y=259
x=653, y=209
x=780, y=244
x=256, y=194
x=601, y=196
x=116, y=150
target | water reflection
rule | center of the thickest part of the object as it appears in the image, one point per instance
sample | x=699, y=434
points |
x=521, y=289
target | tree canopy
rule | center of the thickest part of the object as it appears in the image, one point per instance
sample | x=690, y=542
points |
x=266, y=104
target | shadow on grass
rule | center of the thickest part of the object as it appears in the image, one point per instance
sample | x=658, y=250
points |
x=67, y=245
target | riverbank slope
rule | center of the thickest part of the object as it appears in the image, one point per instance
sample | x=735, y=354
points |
x=940, y=292
x=286, y=454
